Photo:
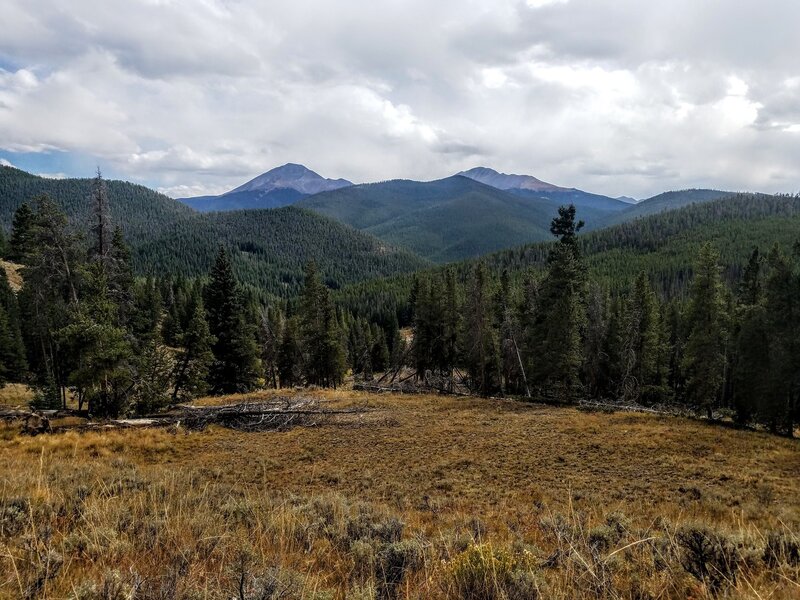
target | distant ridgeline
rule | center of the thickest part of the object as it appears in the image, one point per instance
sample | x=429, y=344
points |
x=268, y=247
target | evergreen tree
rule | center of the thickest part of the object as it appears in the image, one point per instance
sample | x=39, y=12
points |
x=782, y=316
x=595, y=352
x=481, y=354
x=704, y=354
x=236, y=364
x=270, y=339
x=13, y=364
x=290, y=357
x=195, y=358
x=642, y=348
x=555, y=334
x=321, y=343
x=48, y=300
x=22, y=242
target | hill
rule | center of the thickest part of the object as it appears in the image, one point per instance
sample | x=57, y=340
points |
x=280, y=186
x=268, y=247
x=663, y=245
x=444, y=220
x=660, y=203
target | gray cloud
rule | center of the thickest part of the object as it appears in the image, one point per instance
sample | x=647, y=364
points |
x=613, y=96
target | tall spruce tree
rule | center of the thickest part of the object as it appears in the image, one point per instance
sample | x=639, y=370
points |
x=49, y=300
x=236, y=364
x=642, y=346
x=194, y=359
x=13, y=364
x=706, y=319
x=555, y=333
x=782, y=308
x=290, y=355
x=22, y=241
x=481, y=353
x=321, y=338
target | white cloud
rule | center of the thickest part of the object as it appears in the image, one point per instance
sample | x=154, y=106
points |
x=614, y=96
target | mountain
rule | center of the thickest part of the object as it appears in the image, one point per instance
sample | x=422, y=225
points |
x=627, y=199
x=444, y=220
x=281, y=186
x=269, y=248
x=502, y=181
x=527, y=186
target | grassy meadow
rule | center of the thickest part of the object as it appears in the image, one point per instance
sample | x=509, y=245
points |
x=425, y=497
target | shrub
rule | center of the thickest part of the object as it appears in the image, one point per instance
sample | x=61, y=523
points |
x=709, y=556
x=483, y=572
x=393, y=562
x=781, y=549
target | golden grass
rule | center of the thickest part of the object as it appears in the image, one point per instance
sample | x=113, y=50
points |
x=13, y=273
x=446, y=498
x=15, y=394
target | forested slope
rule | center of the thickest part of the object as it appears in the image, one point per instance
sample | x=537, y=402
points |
x=444, y=220
x=268, y=247
x=662, y=245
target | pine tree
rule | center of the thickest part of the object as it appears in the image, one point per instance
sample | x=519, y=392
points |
x=597, y=326
x=269, y=339
x=642, y=348
x=782, y=316
x=321, y=340
x=481, y=354
x=195, y=358
x=704, y=354
x=555, y=334
x=48, y=300
x=21, y=242
x=290, y=358
x=236, y=364
x=13, y=363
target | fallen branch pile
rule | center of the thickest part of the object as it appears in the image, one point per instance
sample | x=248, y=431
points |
x=276, y=414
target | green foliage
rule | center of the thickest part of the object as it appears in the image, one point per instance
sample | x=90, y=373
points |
x=321, y=337
x=706, y=318
x=236, y=366
x=267, y=248
x=445, y=220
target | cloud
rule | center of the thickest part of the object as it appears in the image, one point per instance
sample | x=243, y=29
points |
x=5, y=163
x=613, y=96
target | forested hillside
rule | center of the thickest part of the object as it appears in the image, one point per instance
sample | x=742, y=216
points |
x=662, y=245
x=268, y=247
x=657, y=204
x=444, y=220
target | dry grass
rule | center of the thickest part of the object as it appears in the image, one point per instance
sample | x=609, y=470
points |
x=13, y=273
x=447, y=498
x=15, y=394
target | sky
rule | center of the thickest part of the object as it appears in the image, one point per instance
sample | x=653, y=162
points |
x=620, y=97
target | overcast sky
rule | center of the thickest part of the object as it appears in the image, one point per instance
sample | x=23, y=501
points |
x=612, y=96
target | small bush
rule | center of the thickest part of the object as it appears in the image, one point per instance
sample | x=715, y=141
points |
x=486, y=573
x=393, y=562
x=781, y=549
x=709, y=556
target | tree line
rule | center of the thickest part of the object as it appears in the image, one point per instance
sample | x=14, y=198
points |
x=83, y=327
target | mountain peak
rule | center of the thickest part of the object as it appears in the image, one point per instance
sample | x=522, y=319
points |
x=291, y=176
x=504, y=181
